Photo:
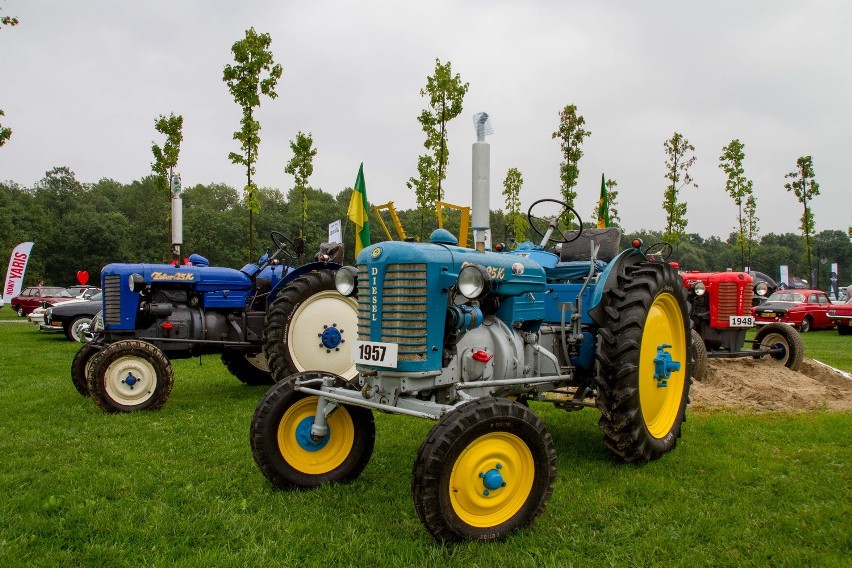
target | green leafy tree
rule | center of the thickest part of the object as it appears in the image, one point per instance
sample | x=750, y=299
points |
x=678, y=163
x=5, y=132
x=571, y=135
x=301, y=166
x=612, y=204
x=751, y=223
x=166, y=157
x=254, y=74
x=739, y=187
x=805, y=187
x=511, y=191
x=445, y=93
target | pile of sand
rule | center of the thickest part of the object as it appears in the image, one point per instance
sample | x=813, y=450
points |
x=756, y=385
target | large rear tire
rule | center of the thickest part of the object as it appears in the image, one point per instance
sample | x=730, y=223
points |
x=131, y=375
x=307, y=327
x=485, y=470
x=251, y=369
x=781, y=335
x=646, y=362
x=286, y=453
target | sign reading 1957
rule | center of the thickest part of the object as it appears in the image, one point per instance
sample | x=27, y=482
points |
x=375, y=353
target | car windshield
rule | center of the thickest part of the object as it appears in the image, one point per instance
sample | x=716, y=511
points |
x=56, y=293
x=97, y=297
x=787, y=297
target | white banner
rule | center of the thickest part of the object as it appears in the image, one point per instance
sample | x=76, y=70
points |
x=15, y=272
x=785, y=276
x=334, y=233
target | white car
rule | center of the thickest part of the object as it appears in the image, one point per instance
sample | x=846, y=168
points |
x=36, y=316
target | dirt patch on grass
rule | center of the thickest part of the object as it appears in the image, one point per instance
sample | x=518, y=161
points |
x=761, y=386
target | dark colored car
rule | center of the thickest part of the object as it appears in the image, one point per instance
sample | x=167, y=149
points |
x=31, y=297
x=74, y=317
x=804, y=309
x=841, y=315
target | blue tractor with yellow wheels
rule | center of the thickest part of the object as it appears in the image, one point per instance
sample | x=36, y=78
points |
x=469, y=338
x=266, y=321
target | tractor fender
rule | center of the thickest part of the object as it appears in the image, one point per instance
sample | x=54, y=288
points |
x=296, y=272
x=608, y=279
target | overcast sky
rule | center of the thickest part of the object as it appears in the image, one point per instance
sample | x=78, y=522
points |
x=82, y=83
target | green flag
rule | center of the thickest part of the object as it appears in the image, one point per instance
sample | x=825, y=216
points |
x=603, y=206
x=357, y=213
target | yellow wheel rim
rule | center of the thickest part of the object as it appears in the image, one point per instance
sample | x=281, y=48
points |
x=661, y=404
x=311, y=456
x=491, y=479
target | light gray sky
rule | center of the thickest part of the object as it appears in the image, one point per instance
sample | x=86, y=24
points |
x=83, y=82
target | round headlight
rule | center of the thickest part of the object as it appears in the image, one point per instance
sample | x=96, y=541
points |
x=761, y=289
x=474, y=282
x=135, y=281
x=699, y=288
x=346, y=280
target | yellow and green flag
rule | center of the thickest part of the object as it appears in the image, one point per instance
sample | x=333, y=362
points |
x=603, y=206
x=358, y=208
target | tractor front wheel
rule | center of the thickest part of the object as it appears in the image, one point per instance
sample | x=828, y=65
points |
x=249, y=368
x=646, y=362
x=486, y=469
x=307, y=328
x=81, y=366
x=290, y=457
x=131, y=375
x=699, y=353
x=782, y=336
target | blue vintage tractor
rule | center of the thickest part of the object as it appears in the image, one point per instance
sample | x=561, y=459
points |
x=468, y=338
x=267, y=321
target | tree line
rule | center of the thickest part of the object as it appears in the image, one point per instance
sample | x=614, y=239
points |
x=78, y=226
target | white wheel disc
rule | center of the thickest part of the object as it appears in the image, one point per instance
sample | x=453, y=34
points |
x=130, y=380
x=324, y=311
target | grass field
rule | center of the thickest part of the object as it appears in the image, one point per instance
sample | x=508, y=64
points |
x=179, y=487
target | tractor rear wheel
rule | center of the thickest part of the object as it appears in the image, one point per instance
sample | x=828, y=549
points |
x=81, y=366
x=290, y=457
x=307, y=327
x=699, y=353
x=486, y=469
x=248, y=368
x=131, y=375
x=646, y=362
x=781, y=335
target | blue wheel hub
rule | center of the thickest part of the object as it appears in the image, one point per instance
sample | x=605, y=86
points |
x=664, y=365
x=331, y=337
x=130, y=380
x=304, y=438
x=492, y=479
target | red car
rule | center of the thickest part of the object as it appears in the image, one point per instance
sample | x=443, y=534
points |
x=804, y=309
x=841, y=315
x=29, y=299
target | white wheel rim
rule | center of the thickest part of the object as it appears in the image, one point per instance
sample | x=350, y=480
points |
x=79, y=328
x=322, y=310
x=116, y=379
x=258, y=361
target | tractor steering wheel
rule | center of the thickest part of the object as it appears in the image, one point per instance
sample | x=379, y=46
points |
x=659, y=251
x=553, y=223
x=284, y=245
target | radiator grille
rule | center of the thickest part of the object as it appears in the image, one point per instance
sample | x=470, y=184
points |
x=112, y=299
x=727, y=300
x=401, y=299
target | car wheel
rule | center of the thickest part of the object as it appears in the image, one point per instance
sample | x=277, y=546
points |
x=20, y=311
x=76, y=328
x=806, y=325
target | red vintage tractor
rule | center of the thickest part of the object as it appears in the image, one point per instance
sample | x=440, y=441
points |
x=721, y=316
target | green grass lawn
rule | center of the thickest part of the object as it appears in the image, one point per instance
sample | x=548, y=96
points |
x=179, y=487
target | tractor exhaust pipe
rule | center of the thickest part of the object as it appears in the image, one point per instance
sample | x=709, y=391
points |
x=481, y=183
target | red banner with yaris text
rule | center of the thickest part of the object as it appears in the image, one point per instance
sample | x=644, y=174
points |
x=15, y=272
